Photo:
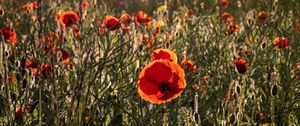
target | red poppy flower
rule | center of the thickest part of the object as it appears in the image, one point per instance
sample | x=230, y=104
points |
x=191, y=11
x=65, y=57
x=227, y=17
x=228, y=95
x=31, y=64
x=189, y=65
x=298, y=65
x=262, y=16
x=161, y=81
x=195, y=87
x=224, y=3
x=30, y=6
x=125, y=19
x=157, y=26
x=241, y=65
x=111, y=22
x=46, y=68
x=164, y=54
x=9, y=35
x=88, y=117
x=85, y=4
x=19, y=111
x=150, y=43
x=235, y=28
x=68, y=18
x=76, y=32
x=297, y=27
x=121, y=3
x=142, y=18
x=281, y=42
x=11, y=79
x=232, y=29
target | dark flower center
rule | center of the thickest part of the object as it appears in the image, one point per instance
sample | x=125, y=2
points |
x=165, y=86
x=69, y=20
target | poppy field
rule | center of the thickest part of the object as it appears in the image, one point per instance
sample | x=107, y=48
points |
x=150, y=62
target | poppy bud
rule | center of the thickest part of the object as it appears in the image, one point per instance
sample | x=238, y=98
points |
x=241, y=66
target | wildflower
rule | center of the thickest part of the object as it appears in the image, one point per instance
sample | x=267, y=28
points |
x=76, y=33
x=85, y=4
x=150, y=43
x=30, y=6
x=142, y=18
x=125, y=19
x=228, y=95
x=9, y=35
x=195, y=87
x=158, y=25
x=232, y=29
x=122, y=3
x=19, y=112
x=46, y=68
x=161, y=81
x=227, y=17
x=191, y=11
x=68, y=18
x=281, y=43
x=31, y=64
x=111, y=22
x=241, y=66
x=224, y=3
x=88, y=117
x=297, y=27
x=164, y=54
x=189, y=65
x=262, y=16
x=65, y=57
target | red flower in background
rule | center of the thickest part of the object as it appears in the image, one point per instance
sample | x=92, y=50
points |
x=161, y=81
x=68, y=18
x=46, y=68
x=224, y=3
x=191, y=11
x=142, y=18
x=65, y=56
x=281, y=42
x=262, y=16
x=31, y=64
x=157, y=26
x=125, y=19
x=85, y=4
x=164, y=54
x=227, y=17
x=9, y=35
x=30, y=6
x=234, y=28
x=111, y=22
x=150, y=43
x=189, y=65
x=297, y=27
x=19, y=112
x=241, y=65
